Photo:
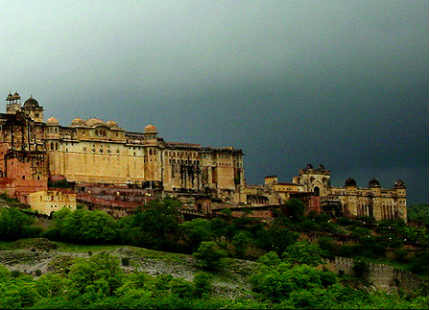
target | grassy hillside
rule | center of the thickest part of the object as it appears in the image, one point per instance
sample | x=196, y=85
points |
x=37, y=256
x=144, y=260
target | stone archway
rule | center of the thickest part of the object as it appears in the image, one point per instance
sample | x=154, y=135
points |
x=316, y=191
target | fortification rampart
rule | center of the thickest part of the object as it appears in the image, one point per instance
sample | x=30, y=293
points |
x=380, y=275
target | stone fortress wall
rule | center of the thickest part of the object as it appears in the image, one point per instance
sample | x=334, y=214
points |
x=380, y=275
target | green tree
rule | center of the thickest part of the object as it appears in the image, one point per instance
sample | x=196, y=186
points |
x=202, y=284
x=155, y=226
x=277, y=282
x=279, y=238
x=195, y=231
x=294, y=208
x=84, y=226
x=241, y=241
x=13, y=223
x=181, y=287
x=269, y=259
x=209, y=256
x=303, y=252
x=328, y=246
x=418, y=213
x=51, y=285
x=95, y=278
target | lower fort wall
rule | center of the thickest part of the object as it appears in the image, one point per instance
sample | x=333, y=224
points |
x=380, y=275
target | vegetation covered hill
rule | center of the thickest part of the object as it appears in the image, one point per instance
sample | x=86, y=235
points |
x=153, y=259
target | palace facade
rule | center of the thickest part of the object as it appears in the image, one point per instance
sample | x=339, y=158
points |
x=349, y=200
x=109, y=165
x=97, y=152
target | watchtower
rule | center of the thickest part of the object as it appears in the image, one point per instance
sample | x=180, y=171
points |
x=13, y=103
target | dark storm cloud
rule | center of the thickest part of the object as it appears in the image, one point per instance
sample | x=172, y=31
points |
x=344, y=83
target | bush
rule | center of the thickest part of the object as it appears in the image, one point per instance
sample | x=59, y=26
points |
x=294, y=209
x=209, y=256
x=202, y=284
x=277, y=283
x=162, y=282
x=31, y=231
x=328, y=246
x=155, y=226
x=418, y=213
x=38, y=272
x=307, y=225
x=345, y=221
x=4, y=273
x=241, y=241
x=371, y=247
x=15, y=273
x=278, y=238
x=84, y=226
x=303, y=252
x=98, y=275
x=348, y=250
x=181, y=288
x=270, y=259
x=196, y=231
x=418, y=263
x=13, y=224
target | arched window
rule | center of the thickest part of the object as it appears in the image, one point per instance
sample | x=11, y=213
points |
x=316, y=191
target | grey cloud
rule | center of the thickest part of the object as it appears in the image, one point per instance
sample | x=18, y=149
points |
x=344, y=83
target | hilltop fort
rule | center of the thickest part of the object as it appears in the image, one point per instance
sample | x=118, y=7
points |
x=49, y=166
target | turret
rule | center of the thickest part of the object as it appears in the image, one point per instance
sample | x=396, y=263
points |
x=13, y=103
x=150, y=132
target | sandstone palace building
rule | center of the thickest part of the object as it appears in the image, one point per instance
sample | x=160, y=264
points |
x=110, y=167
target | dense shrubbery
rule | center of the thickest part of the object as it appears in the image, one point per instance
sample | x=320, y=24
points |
x=291, y=286
x=99, y=282
x=209, y=256
x=196, y=231
x=303, y=252
x=14, y=224
x=83, y=226
x=159, y=226
x=419, y=213
x=156, y=226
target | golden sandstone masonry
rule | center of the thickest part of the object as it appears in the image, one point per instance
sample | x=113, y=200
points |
x=205, y=178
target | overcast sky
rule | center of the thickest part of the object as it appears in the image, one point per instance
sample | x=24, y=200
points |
x=343, y=83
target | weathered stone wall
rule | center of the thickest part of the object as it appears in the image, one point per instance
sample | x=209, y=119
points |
x=380, y=275
x=98, y=162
